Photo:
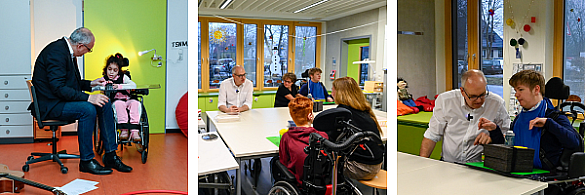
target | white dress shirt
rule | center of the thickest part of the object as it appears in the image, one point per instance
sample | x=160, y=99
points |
x=230, y=94
x=450, y=122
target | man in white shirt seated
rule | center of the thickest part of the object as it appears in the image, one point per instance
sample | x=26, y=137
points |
x=462, y=118
x=235, y=94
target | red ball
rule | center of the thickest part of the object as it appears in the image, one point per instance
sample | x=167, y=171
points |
x=527, y=28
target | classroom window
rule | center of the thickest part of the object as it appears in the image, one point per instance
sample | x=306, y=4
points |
x=250, y=39
x=275, y=53
x=222, y=52
x=491, y=26
x=265, y=48
x=460, y=53
x=305, y=48
x=199, y=51
x=574, y=52
x=364, y=54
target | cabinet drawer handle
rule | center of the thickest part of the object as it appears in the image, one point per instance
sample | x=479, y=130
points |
x=7, y=119
x=6, y=95
x=7, y=107
x=7, y=131
x=5, y=82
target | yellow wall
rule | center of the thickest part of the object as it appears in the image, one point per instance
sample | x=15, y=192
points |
x=128, y=27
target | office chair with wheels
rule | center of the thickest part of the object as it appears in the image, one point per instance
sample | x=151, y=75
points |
x=54, y=124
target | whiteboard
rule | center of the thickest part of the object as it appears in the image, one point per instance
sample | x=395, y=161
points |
x=15, y=37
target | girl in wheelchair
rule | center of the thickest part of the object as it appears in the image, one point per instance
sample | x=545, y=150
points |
x=123, y=101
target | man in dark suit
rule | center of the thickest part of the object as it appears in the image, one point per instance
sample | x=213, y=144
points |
x=60, y=96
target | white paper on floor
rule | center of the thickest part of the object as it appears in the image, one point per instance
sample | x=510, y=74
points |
x=78, y=186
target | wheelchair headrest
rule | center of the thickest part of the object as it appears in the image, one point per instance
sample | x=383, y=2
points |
x=305, y=74
x=329, y=120
x=556, y=89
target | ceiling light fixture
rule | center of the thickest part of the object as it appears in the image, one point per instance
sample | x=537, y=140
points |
x=310, y=6
x=225, y=4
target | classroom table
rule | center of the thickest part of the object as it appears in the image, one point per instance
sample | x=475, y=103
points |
x=214, y=157
x=418, y=175
x=246, y=138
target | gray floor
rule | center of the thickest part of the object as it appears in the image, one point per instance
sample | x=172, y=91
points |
x=265, y=181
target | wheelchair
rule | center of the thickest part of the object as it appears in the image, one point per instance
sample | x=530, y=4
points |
x=142, y=126
x=568, y=178
x=323, y=166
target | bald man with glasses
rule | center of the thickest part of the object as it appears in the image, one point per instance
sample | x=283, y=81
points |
x=235, y=94
x=462, y=118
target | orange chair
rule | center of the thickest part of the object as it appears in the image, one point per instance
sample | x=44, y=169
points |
x=379, y=182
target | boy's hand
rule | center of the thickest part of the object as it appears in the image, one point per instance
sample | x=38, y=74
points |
x=329, y=99
x=537, y=122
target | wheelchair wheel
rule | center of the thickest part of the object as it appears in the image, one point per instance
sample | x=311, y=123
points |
x=283, y=188
x=577, y=191
x=145, y=135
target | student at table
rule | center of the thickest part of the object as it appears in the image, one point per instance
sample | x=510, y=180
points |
x=292, y=144
x=287, y=91
x=235, y=94
x=540, y=125
x=459, y=119
x=366, y=160
x=315, y=87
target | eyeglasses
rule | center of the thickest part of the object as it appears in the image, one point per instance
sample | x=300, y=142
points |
x=288, y=81
x=475, y=97
x=240, y=75
x=88, y=49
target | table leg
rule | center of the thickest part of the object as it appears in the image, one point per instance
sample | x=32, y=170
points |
x=239, y=177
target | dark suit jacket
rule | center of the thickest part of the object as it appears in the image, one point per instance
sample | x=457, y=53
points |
x=57, y=80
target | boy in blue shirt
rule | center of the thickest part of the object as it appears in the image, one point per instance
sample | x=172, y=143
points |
x=315, y=87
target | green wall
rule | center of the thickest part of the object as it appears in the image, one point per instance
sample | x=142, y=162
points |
x=128, y=27
x=353, y=54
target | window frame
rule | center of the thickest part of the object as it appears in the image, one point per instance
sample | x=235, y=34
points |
x=259, y=47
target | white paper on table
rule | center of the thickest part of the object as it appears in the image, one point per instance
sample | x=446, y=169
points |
x=78, y=186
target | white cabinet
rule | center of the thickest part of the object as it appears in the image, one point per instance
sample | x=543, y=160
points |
x=15, y=50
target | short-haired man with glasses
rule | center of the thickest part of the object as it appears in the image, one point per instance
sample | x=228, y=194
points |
x=462, y=118
x=235, y=94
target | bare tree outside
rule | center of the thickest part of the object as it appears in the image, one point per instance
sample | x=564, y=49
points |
x=275, y=52
x=492, y=44
x=574, y=52
x=250, y=42
x=222, y=52
x=305, y=48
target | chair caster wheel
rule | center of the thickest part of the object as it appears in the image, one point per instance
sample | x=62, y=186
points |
x=30, y=158
x=25, y=168
x=64, y=170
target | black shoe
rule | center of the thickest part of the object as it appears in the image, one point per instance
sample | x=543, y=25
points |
x=93, y=167
x=113, y=161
